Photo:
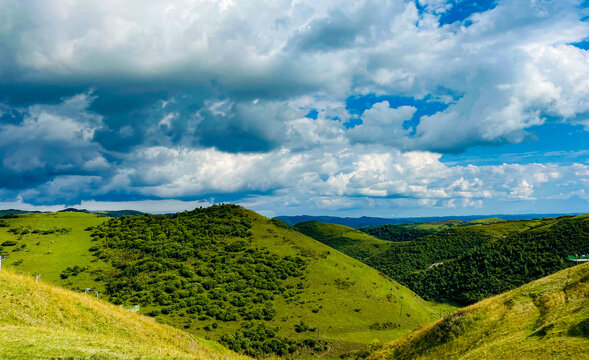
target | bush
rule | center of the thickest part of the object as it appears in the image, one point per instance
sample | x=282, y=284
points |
x=9, y=243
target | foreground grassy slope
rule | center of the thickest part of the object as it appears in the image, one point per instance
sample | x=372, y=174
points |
x=41, y=321
x=546, y=319
x=350, y=241
x=40, y=249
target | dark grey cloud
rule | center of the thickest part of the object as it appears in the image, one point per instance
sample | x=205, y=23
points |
x=141, y=100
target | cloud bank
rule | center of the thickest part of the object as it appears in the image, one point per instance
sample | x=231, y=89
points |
x=251, y=102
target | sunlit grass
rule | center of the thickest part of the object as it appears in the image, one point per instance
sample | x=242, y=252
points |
x=546, y=319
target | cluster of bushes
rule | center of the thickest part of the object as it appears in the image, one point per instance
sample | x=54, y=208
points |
x=21, y=230
x=195, y=265
x=257, y=340
x=72, y=271
x=387, y=325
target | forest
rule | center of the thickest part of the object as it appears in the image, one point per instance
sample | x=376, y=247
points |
x=465, y=264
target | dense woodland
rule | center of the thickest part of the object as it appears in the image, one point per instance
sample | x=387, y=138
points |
x=200, y=265
x=465, y=264
x=503, y=265
x=405, y=258
x=397, y=232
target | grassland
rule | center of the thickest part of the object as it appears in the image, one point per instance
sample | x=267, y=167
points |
x=50, y=254
x=545, y=319
x=343, y=300
x=42, y=321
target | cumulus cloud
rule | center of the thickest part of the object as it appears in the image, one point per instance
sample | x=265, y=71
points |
x=49, y=140
x=383, y=125
x=195, y=98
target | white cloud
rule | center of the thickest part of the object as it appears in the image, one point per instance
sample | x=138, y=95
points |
x=383, y=125
x=241, y=75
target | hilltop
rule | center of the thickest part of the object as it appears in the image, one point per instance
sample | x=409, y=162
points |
x=223, y=273
x=545, y=319
x=350, y=241
x=41, y=321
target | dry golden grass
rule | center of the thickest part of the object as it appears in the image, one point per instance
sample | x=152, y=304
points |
x=546, y=319
x=41, y=321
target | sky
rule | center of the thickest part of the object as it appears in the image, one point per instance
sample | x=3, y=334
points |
x=385, y=108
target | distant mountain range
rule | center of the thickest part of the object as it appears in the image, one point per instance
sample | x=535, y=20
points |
x=366, y=221
x=111, y=213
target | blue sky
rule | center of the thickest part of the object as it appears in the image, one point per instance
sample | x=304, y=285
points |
x=377, y=108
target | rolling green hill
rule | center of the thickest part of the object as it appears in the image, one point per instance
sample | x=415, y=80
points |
x=223, y=273
x=545, y=319
x=350, y=241
x=505, y=262
x=41, y=321
x=466, y=262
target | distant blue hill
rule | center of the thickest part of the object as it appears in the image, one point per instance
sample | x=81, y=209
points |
x=366, y=221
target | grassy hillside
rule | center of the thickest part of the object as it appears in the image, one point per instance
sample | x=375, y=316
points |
x=546, y=319
x=494, y=227
x=41, y=321
x=230, y=274
x=350, y=241
x=465, y=262
x=227, y=274
x=49, y=243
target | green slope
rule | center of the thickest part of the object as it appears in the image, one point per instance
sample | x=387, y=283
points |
x=41, y=321
x=350, y=241
x=49, y=254
x=546, y=319
x=227, y=271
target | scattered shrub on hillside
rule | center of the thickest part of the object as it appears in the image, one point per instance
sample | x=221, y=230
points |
x=71, y=271
x=197, y=265
x=388, y=325
x=9, y=243
x=343, y=284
